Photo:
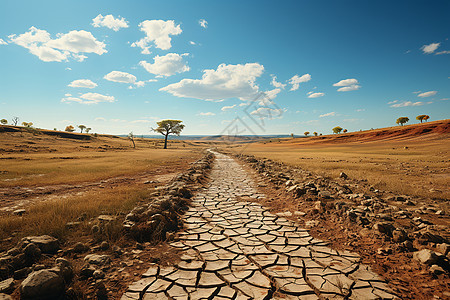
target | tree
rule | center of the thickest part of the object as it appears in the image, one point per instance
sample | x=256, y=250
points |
x=131, y=138
x=88, y=129
x=337, y=129
x=82, y=127
x=27, y=124
x=166, y=127
x=292, y=135
x=315, y=133
x=422, y=117
x=4, y=121
x=306, y=133
x=345, y=131
x=402, y=120
x=69, y=128
x=15, y=120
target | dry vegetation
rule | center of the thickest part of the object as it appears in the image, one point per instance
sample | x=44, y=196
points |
x=60, y=179
x=414, y=163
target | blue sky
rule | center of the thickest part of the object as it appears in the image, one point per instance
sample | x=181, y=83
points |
x=272, y=67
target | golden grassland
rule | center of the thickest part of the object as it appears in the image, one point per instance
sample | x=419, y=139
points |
x=33, y=161
x=414, y=164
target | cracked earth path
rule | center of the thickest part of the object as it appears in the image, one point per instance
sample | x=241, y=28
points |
x=238, y=250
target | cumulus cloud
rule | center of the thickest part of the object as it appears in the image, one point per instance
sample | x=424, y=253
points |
x=227, y=81
x=157, y=32
x=90, y=98
x=99, y=119
x=406, y=103
x=69, y=45
x=166, y=65
x=427, y=94
x=2, y=42
x=123, y=77
x=443, y=52
x=225, y=108
x=277, y=84
x=82, y=83
x=330, y=114
x=296, y=80
x=428, y=49
x=192, y=43
x=207, y=114
x=316, y=95
x=203, y=23
x=348, y=85
x=110, y=22
x=267, y=113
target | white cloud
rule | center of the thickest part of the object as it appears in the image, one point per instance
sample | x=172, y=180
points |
x=166, y=65
x=243, y=104
x=207, y=114
x=227, y=81
x=69, y=69
x=192, y=43
x=347, y=85
x=330, y=114
x=407, y=103
x=203, y=23
x=443, y=52
x=110, y=22
x=427, y=94
x=277, y=84
x=296, y=80
x=361, y=109
x=90, y=98
x=392, y=102
x=272, y=94
x=2, y=42
x=67, y=95
x=157, y=32
x=71, y=44
x=225, y=108
x=100, y=119
x=267, y=113
x=141, y=121
x=346, y=82
x=417, y=92
x=82, y=83
x=428, y=49
x=122, y=77
x=349, y=88
x=316, y=95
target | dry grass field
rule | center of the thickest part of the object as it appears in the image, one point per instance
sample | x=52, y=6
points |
x=58, y=179
x=412, y=160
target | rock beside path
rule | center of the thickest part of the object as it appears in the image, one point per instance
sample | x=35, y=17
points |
x=43, y=284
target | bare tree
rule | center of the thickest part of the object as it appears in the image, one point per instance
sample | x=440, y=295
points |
x=15, y=120
x=131, y=138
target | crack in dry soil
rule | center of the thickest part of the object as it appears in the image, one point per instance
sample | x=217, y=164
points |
x=239, y=250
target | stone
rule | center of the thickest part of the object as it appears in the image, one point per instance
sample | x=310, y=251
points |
x=436, y=270
x=97, y=259
x=343, y=175
x=384, y=227
x=325, y=194
x=399, y=235
x=80, y=248
x=7, y=285
x=87, y=271
x=64, y=268
x=104, y=245
x=42, y=284
x=19, y=212
x=106, y=218
x=46, y=243
x=32, y=251
x=443, y=248
x=426, y=256
x=22, y=273
x=98, y=274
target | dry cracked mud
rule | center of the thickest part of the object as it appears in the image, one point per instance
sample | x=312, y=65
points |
x=239, y=250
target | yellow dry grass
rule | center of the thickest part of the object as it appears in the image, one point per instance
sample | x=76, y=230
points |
x=421, y=169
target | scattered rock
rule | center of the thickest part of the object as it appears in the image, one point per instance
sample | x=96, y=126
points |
x=384, y=227
x=6, y=285
x=46, y=243
x=436, y=270
x=22, y=273
x=343, y=175
x=42, y=284
x=19, y=212
x=104, y=245
x=96, y=259
x=399, y=235
x=106, y=218
x=426, y=256
x=80, y=248
x=443, y=248
x=32, y=251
